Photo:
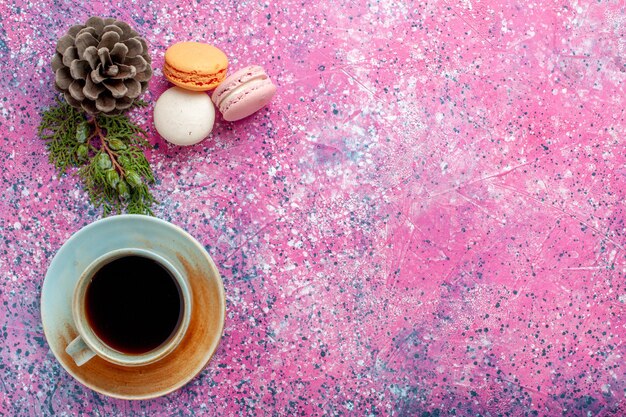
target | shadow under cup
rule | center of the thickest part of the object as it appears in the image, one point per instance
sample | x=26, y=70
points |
x=131, y=307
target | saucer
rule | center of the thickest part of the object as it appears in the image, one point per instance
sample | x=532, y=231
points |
x=184, y=253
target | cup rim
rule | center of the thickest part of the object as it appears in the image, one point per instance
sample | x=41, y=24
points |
x=91, y=338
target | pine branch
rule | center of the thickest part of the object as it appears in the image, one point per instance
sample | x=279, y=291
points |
x=109, y=153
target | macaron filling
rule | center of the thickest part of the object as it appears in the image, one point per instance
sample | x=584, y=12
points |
x=185, y=79
x=245, y=85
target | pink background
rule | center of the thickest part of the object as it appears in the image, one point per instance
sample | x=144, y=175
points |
x=427, y=220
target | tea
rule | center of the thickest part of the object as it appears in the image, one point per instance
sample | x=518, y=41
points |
x=133, y=304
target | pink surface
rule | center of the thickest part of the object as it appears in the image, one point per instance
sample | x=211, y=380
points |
x=427, y=220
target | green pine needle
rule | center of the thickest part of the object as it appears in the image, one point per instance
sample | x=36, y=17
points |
x=108, y=152
x=57, y=128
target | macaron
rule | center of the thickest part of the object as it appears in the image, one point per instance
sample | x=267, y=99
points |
x=184, y=117
x=243, y=93
x=195, y=66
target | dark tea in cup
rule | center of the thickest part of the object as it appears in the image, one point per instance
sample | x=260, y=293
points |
x=133, y=304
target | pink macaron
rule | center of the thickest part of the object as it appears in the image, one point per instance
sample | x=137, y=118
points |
x=243, y=93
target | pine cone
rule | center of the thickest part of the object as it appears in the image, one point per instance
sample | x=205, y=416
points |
x=102, y=66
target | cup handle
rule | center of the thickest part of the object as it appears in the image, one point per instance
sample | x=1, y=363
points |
x=79, y=351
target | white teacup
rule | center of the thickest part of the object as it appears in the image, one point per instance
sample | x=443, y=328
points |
x=88, y=343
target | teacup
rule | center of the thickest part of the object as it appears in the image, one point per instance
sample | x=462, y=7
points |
x=131, y=307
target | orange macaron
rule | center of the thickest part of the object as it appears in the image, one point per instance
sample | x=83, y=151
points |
x=195, y=66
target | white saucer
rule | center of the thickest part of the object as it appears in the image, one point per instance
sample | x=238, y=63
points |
x=182, y=251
